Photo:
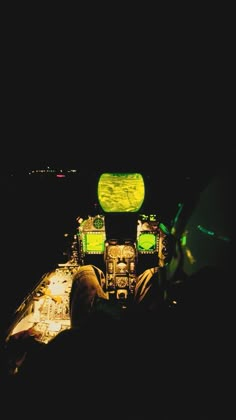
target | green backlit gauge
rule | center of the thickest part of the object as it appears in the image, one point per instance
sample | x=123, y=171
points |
x=98, y=223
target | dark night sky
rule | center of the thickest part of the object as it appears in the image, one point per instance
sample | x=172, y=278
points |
x=72, y=97
x=110, y=111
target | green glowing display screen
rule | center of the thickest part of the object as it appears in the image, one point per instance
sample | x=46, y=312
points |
x=121, y=192
x=147, y=242
x=93, y=242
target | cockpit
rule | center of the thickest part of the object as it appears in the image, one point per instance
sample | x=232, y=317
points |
x=121, y=240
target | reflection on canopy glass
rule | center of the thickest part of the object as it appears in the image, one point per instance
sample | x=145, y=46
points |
x=121, y=192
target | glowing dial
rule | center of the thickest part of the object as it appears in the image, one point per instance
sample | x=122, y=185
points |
x=121, y=281
x=114, y=251
x=128, y=251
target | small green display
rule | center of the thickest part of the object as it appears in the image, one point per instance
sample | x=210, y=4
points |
x=94, y=242
x=147, y=242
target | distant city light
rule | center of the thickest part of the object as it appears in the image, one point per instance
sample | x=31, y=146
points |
x=48, y=171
